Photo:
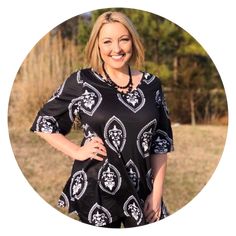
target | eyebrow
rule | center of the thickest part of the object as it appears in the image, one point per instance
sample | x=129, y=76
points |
x=124, y=35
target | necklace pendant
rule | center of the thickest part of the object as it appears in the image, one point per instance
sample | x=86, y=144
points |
x=129, y=86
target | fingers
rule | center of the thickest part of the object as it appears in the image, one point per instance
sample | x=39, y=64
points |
x=97, y=140
x=153, y=216
x=97, y=149
x=150, y=214
x=95, y=157
x=99, y=146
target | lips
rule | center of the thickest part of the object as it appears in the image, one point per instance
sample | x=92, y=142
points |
x=117, y=57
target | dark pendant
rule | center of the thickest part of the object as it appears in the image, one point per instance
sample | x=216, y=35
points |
x=129, y=86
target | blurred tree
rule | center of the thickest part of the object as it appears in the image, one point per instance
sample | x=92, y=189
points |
x=68, y=29
x=84, y=28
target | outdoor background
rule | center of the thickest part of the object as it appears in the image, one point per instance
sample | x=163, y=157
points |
x=192, y=85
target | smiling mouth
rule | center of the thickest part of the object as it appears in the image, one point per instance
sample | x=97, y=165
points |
x=117, y=57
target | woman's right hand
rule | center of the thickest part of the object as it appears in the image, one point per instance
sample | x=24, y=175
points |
x=93, y=149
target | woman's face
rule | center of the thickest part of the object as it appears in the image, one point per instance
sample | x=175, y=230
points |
x=115, y=44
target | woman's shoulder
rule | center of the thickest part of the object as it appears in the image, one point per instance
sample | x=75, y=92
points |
x=77, y=75
x=151, y=78
x=73, y=81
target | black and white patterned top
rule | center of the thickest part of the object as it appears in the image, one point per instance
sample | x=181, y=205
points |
x=132, y=126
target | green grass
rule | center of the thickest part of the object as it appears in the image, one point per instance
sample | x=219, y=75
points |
x=197, y=152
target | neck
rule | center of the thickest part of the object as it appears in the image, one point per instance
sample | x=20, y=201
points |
x=114, y=83
x=117, y=73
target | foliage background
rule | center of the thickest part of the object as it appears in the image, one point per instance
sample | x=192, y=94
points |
x=192, y=84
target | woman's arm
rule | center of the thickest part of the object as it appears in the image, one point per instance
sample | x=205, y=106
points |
x=89, y=150
x=158, y=164
x=153, y=201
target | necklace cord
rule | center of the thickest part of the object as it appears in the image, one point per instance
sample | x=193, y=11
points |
x=112, y=83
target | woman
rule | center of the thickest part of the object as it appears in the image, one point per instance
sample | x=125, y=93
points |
x=119, y=169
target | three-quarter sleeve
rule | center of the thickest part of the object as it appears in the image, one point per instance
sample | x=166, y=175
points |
x=58, y=113
x=162, y=141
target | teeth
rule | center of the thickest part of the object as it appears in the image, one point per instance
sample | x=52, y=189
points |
x=117, y=57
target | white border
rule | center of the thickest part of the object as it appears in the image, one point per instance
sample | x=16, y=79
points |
x=25, y=22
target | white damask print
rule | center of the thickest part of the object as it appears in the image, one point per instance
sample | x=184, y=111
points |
x=109, y=178
x=132, y=208
x=63, y=201
x=98, y=76
x=99, y=216
x=163, y=143
x=90, y=99
x=115, y=134
x=165, y=107
x=133, y=173
x=74, y=108
x=47, y=124
x=78, y=185
x=148, y=78
x=145, y=137
x=78, y=77
x=158, y=98
x=134, y=100
x=88, y=133
x=58, y=92
x=149, y=179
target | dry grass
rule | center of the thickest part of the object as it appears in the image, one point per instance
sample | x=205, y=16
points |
x=47, y=65
x=197, y=152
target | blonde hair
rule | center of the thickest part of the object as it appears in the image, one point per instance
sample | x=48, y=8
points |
x=92, y=54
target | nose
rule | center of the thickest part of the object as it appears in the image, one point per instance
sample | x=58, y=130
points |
x=116, y=47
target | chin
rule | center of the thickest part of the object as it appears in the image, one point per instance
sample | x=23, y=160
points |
x=118, y=65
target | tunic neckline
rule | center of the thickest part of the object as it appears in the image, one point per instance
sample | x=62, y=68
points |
x=101, y=78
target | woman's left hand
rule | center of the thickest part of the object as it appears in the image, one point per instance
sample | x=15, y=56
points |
x=152, y=208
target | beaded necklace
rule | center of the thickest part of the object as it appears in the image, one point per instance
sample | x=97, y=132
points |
x=112, y=83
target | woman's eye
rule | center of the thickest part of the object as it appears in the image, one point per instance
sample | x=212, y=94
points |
x=125, y=39
x=107, y=42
